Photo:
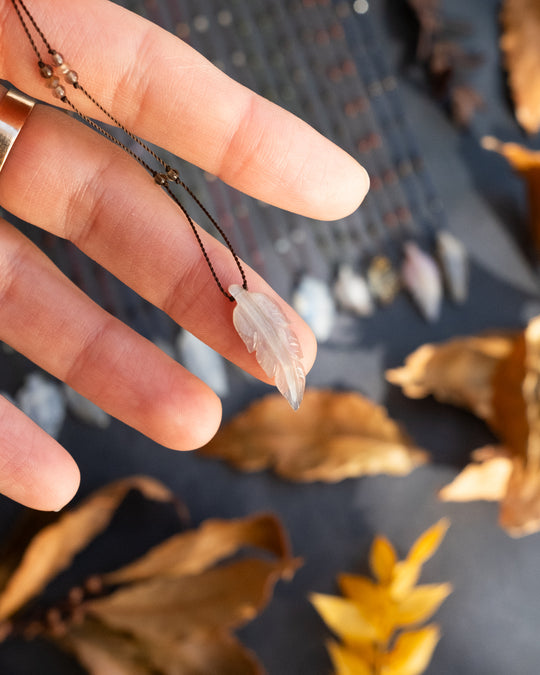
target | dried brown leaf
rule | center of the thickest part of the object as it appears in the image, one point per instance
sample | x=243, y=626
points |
x=527, y=164
x=201, y=654
x=195, y=551
x=174, y=608
x=515, y=417
x=520, y=507
x=458, y=372
x=520, y=43
x=486, y=478
x=55, y=546
x=105, y=652
x=331, y=437
x=509, y=417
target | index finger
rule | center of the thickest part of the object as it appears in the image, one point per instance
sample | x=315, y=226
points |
x=166, y=92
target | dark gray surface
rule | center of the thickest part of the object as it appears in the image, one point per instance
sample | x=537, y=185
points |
x=490, y=622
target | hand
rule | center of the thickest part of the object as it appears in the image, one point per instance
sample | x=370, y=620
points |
x=68, y=180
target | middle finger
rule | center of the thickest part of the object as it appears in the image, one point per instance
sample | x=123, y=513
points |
x=68, y=180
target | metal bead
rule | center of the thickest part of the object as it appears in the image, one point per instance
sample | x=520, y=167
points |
x=172, y=174
x=46, y=71
x=160, y=178
x=59, y=91
x=64, y=68
x=71, y=77
x=57, y=59
x=53, y=82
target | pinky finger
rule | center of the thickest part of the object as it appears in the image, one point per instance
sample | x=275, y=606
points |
x=34, y=469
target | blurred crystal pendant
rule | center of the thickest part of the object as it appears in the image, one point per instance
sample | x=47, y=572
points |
x=455, y=265
x=383, y=280
x=314, y=302
x=352, y=292
x=421, y=277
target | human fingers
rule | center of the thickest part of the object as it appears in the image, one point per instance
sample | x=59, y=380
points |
x=166, y=92
x=47, y=318
x=34, y=469
x=103, y=201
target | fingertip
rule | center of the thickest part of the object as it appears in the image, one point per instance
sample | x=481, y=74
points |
x=35, y=470
x=189, y=418
x=65, y=488
x=349, y=191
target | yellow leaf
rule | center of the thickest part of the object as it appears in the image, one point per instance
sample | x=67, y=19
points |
x=362, y=589
x=428, y=542
x=345, y=618
x=376, y=601
x=334, y=435
x=407, y=572
x=412, y=652
x=421, y=603
x=348, y=662
x=382, y=559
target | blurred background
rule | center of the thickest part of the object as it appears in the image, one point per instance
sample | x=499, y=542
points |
x=358, y=72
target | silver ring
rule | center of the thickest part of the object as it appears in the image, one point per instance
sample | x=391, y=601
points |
x=14, y=110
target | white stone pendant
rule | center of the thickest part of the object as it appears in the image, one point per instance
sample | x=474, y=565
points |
x=422, y=279
x=265, y=330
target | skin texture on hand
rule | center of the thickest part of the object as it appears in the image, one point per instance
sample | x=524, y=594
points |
x=64, y=178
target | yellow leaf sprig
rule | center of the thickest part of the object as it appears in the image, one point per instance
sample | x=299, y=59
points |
x=380, y=621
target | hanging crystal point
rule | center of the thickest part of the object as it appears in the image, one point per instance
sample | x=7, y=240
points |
x=455, y=264
x=265, y=330
x=352, y=292
x=421, y=277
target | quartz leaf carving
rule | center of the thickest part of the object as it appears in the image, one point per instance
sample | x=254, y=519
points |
x=265, y=330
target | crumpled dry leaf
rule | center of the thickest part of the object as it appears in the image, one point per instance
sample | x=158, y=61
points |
x=486, y=478
x=195, y=551
x=332, y=436
x=520, y=43
x=168, y=613
x=371, y=616
x=103, y=652
x=224, y=597
x=55, y=546
x=459, y=371
x=527, y=164
x=507, y=395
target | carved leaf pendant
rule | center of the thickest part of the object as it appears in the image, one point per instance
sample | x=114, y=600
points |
x=265, y=330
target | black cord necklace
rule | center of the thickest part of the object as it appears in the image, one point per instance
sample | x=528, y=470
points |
x=258, y=320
